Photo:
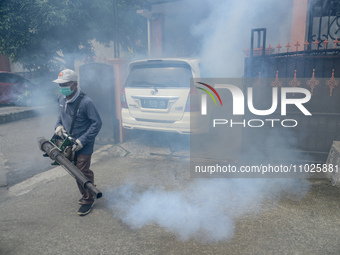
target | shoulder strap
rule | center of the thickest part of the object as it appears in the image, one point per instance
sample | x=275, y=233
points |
x=80, y=97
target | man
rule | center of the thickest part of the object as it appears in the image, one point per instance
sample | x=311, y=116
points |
x=85, y=127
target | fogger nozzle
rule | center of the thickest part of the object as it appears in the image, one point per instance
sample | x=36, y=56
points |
x=54, y=153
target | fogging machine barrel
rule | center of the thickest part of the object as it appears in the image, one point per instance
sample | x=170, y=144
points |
x=55, y=154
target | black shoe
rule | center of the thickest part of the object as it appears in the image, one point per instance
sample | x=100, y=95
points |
x=80, y=201
x=85, y=209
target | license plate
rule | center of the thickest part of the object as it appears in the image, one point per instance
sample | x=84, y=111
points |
x=154, y=103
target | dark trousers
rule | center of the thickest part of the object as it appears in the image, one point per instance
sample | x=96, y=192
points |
x=83, y=162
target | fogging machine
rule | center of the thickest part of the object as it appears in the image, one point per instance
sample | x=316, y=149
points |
x=60, y=150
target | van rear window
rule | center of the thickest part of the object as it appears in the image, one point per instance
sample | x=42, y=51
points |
x=159, y=75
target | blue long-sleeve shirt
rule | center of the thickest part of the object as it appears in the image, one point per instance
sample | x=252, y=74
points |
x=87, y=124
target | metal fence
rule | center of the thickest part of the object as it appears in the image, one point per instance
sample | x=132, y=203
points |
x=317, y=70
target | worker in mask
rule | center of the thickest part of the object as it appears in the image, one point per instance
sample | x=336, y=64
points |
x=79, y=118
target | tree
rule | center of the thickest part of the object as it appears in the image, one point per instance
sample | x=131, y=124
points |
x=46, y=34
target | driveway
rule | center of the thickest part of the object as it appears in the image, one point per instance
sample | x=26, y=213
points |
x=150, y=205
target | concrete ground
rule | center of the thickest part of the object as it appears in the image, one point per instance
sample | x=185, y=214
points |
x=39, y=215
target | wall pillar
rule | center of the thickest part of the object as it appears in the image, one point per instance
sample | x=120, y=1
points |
x=299, y=21
x=120, y=72
x=157, y=27
x=4, y=64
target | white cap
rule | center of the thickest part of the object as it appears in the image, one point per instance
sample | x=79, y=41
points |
x=66, y=75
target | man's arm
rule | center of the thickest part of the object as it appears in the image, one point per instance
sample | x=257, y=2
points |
x=96, y=124
x=58, y=122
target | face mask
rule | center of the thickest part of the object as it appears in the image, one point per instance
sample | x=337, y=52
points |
x=66, y=91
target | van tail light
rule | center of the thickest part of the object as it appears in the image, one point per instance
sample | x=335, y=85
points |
x=123, y=99
x=193, y=104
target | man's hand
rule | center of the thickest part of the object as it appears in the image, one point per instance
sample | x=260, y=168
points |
x=59, y=131
x=77, y=146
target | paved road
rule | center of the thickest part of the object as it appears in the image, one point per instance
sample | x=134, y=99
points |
x=19, y=148
x=149, y=208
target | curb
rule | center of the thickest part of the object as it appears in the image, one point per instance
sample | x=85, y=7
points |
x=14, y=116
x=3, y=171
x=36, y=181
x=24, y=113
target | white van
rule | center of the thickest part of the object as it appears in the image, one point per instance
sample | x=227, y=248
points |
x=157, y=94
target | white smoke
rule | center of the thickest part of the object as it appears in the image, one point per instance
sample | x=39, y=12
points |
x=206, y=209
x=226, y=32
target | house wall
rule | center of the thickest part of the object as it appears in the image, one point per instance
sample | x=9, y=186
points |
x=218, y=32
